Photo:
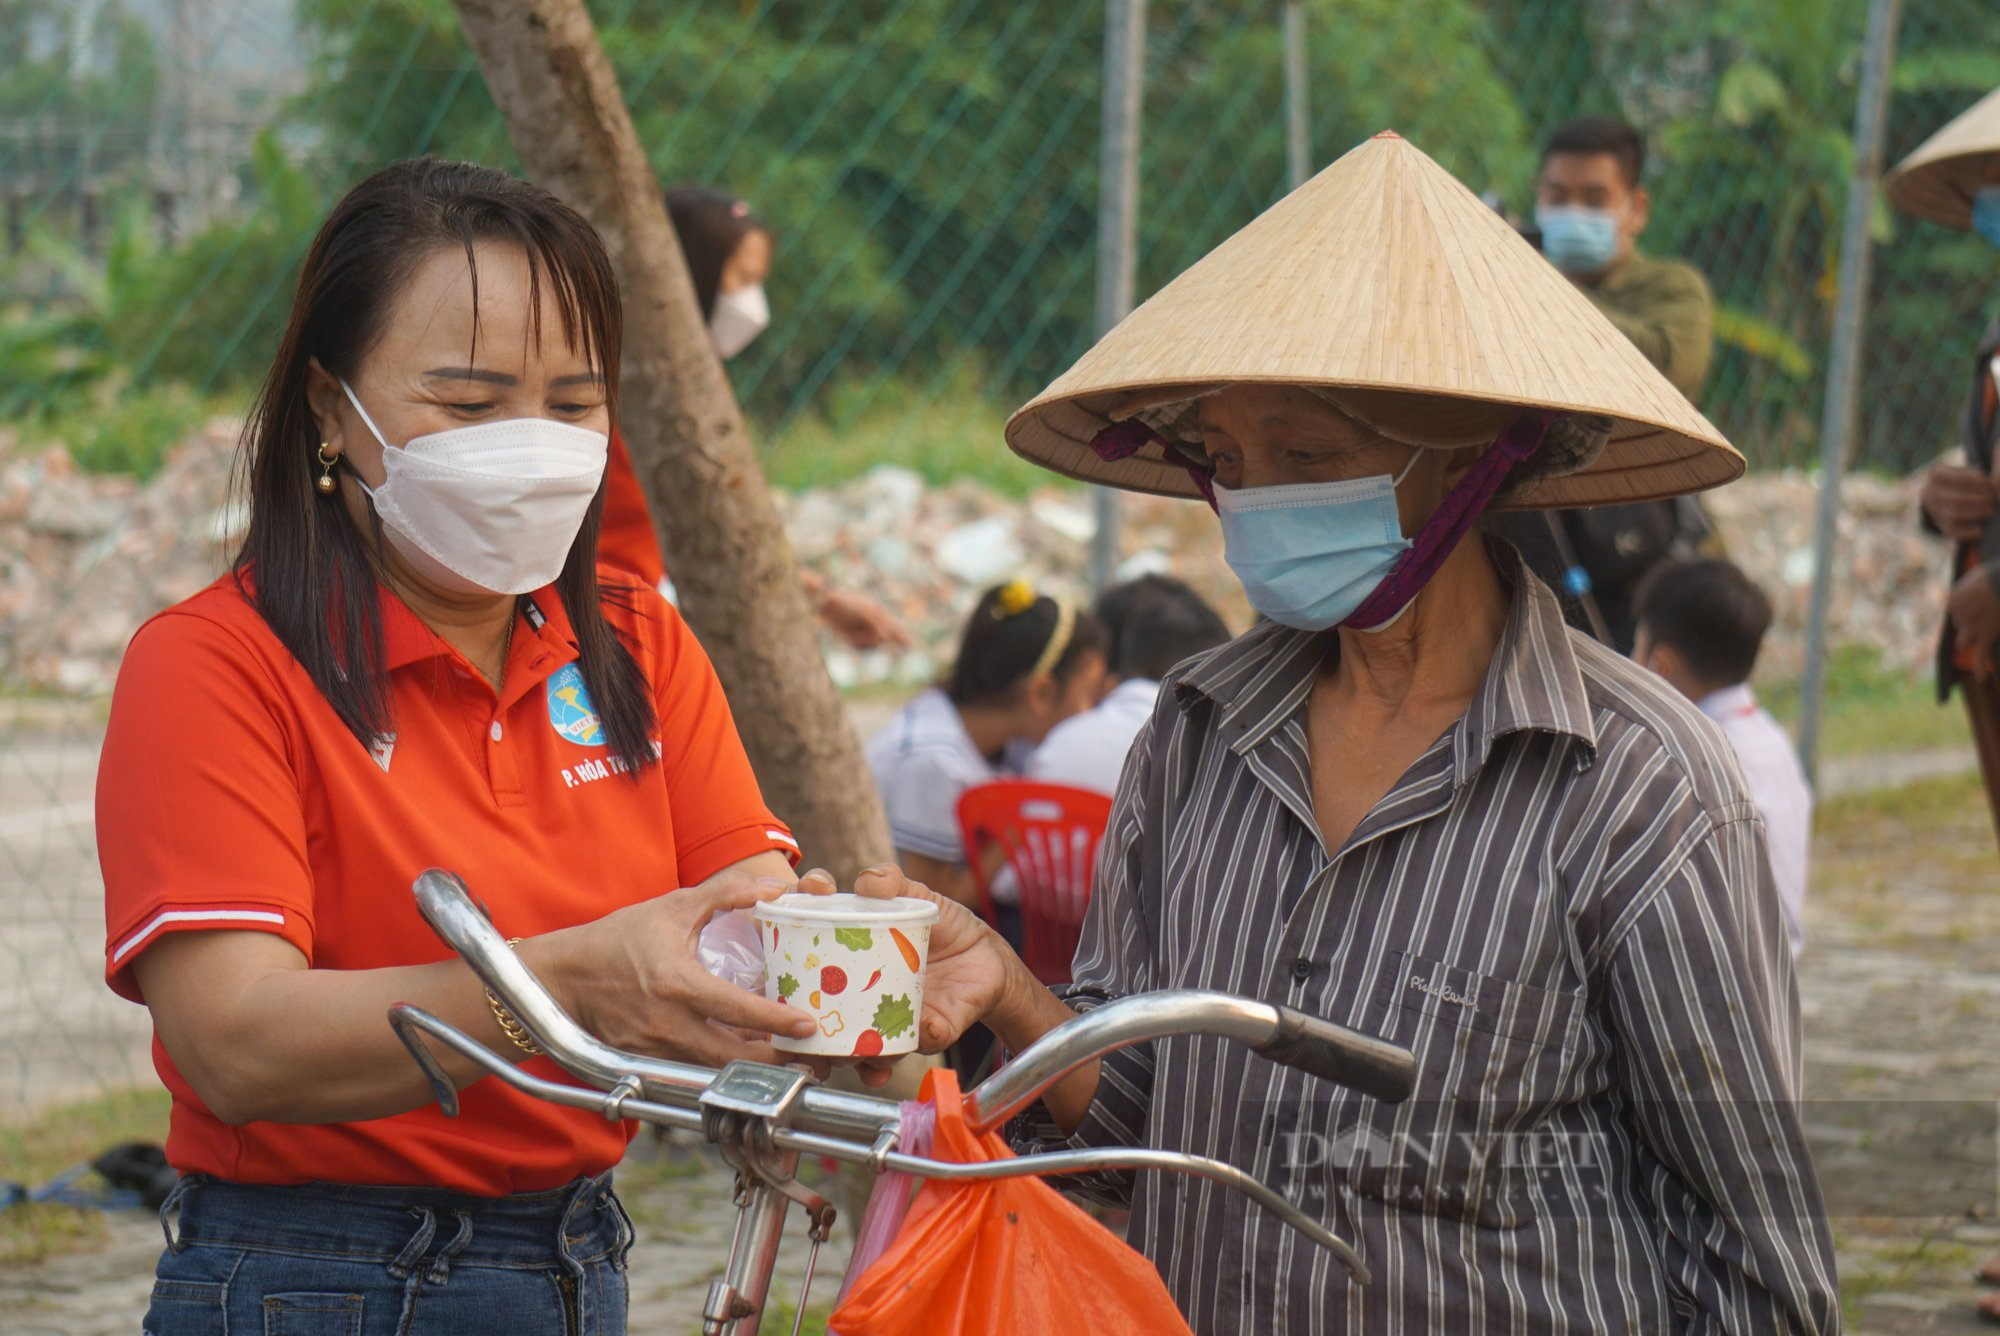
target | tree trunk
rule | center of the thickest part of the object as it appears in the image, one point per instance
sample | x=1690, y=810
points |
x=731, y=561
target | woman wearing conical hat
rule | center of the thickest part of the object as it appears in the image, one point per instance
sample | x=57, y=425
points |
x=1414, y=803
x=1954, y=179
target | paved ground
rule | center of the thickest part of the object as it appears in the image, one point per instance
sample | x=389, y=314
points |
x=1901, y=1001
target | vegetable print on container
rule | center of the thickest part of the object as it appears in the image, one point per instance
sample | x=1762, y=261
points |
x=855, y=963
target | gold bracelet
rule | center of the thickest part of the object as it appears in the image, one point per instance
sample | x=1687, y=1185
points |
x=510, y=1027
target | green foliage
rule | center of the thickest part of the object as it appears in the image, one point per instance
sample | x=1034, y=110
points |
x=929, y=169
x=152, y=340
x=211, y=311
x=787, y=985
x=855, y=939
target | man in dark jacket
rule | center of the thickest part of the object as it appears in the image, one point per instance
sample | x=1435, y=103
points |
x=1590, y=208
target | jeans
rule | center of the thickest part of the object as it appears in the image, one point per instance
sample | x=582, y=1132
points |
x=333, y=1260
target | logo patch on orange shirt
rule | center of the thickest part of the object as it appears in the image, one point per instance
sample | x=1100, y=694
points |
x=571, y=711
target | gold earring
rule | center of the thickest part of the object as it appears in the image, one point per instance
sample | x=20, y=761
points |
x=326, y=463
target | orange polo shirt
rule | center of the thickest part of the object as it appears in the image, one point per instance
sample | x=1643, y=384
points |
x=230, y=796
x=626, y=539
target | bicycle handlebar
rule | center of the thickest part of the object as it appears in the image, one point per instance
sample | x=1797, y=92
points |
x=410, y=1022
x=1281, y=1034
x=862, y=1128
x=448, y=907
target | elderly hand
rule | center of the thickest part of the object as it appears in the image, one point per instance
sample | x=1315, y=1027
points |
x=1958, y=500
x=1975, y=617
x=634, y=979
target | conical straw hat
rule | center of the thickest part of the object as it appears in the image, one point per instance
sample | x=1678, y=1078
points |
x=1938, y=181
x=1387, y=280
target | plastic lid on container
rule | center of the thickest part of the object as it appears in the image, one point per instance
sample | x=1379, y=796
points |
x=846, y=907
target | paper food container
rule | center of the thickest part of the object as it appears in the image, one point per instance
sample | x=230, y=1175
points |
x=855, y=963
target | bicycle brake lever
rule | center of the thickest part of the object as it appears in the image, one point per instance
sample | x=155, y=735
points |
x=402, y=1016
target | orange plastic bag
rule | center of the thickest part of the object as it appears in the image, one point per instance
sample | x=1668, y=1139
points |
x=1001, y=1257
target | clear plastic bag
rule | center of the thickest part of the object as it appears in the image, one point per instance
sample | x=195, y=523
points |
x=730, y=949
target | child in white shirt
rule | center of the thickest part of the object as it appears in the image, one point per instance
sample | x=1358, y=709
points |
x=1700, y=625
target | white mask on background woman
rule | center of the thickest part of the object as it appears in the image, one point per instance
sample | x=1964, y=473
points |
x=739, y=317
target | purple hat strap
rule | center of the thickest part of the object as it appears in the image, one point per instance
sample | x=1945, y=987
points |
x=1517, y=441
x=1122, y=440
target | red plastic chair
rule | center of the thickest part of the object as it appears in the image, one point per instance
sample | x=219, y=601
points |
x=1048, y=835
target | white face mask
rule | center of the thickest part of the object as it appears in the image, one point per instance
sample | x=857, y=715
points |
x=490, y=509
x=739, y=317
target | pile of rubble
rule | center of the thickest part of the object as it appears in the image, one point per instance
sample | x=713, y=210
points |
x=85, y=558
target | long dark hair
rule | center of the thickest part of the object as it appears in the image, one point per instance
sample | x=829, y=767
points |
x=310, y=571
x=711, y=224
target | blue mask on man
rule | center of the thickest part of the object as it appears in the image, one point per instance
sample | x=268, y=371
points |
x=1577, y=240
x=1308, y=554
x=1986, y=214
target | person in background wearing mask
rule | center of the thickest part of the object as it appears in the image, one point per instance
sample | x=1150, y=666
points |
x=415, y=662
x=1026, y=662
x=729, y=250
x=1953, y=179
x=1154, y=623
x=1590, y=210
x=1414, y=803
x=1701, y=624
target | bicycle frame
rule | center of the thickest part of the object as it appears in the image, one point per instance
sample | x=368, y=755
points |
x=762, y=1118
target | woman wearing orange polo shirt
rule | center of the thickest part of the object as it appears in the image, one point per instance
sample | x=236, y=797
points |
x=413, y=664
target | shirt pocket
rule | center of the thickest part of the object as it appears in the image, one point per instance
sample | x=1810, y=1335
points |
x=1494, y=1057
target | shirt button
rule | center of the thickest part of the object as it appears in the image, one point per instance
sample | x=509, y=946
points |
x=1302, y=969
x=494, y=732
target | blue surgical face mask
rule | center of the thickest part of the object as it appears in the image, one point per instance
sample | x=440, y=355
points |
x=1986, y=214
x=1308, y=554
x=1578, y=240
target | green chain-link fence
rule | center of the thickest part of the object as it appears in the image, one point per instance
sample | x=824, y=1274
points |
x=929, y=168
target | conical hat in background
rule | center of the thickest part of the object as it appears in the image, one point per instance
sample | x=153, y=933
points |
x=1938, y=181
x=1386, y=281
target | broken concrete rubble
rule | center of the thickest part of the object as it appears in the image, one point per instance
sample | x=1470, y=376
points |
x=84, y=559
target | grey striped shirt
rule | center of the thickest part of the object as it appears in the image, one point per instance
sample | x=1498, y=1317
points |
x=1565, y=909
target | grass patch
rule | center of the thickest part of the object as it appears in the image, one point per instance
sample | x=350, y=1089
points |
x=36, y=1149
x=946, y=433
x=1870, y=708
x=32, y=1232
x=1916, y=811
x=56, y=1138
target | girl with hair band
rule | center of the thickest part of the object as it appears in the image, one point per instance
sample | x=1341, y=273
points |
x=1025, y=663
